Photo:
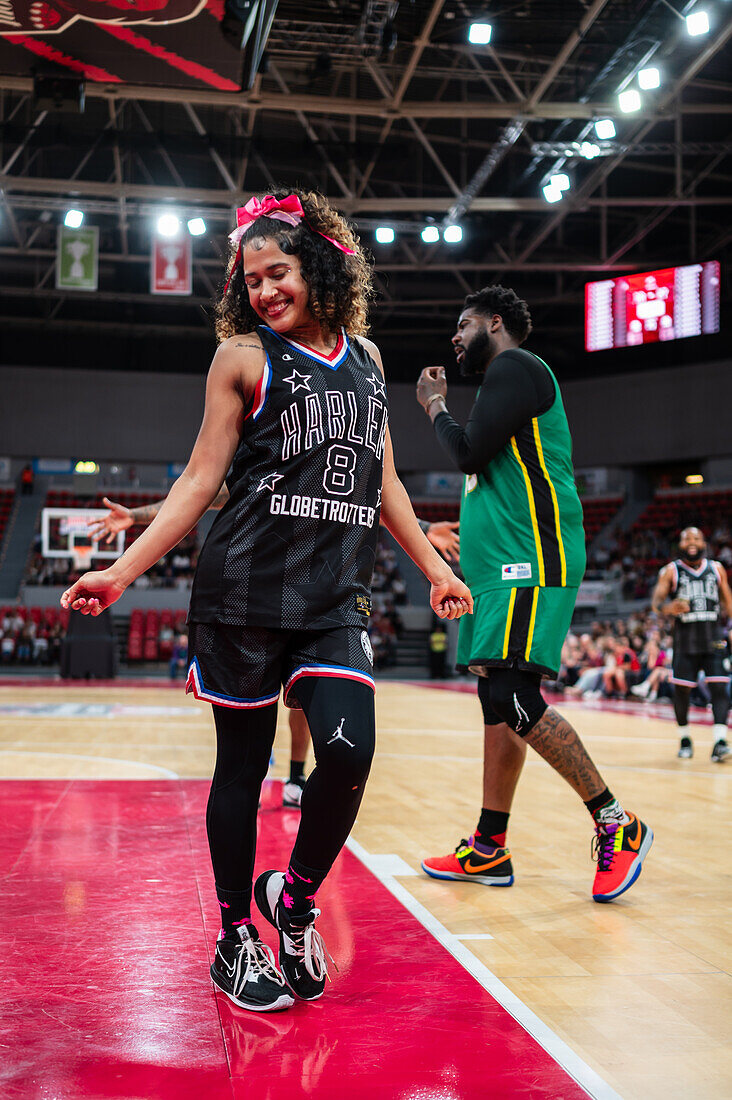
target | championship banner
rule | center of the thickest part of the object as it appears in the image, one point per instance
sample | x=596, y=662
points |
x=77, y=258
x=170, y=266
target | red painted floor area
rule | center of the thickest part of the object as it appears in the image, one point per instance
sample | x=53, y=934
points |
x=108, y=919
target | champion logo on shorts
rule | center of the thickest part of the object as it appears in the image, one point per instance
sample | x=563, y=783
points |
x=366, y=646
x=518, y=571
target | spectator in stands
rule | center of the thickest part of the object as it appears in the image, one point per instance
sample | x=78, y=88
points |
x=438, y=651
x=7, y=648
x=179, y=657
x=27, y=479
x=622, y=662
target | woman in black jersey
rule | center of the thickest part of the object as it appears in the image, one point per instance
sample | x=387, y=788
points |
x=296, y=412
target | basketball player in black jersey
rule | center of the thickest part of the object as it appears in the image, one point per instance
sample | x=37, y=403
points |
x=443, y=536
x=696, y=592
x=296, y=411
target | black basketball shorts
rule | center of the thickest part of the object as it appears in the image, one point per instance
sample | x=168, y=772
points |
x=714, y=665
x=245, y=666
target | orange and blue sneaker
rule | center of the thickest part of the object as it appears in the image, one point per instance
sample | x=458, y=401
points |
x=619, y=851
x=467, y=864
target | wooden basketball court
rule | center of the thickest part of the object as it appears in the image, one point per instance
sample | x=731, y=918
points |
x=630, y=999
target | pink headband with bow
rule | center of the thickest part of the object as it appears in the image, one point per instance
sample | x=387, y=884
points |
x=287, y=210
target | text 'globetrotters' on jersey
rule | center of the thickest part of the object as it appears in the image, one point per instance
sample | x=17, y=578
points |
x=295, y=544
x=698, y=630
x=521, y=517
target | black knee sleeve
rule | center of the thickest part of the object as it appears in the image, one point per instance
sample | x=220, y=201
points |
x=340, y=714
x=490, y=718
x=515, y=696
x=720, y=703
x=682, y=696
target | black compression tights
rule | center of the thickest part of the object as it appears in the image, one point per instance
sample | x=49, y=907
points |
x=243, y=748
x=340, y=714
x=720, y=703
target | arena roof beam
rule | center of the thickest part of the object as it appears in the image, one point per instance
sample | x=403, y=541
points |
x=377, y=108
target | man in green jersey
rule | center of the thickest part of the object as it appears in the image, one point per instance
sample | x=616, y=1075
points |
x=522, y=550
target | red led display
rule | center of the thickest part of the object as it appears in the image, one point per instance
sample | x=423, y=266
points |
x=669, y=304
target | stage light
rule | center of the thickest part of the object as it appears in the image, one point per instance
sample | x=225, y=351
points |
x=479, y=34
x=552, y=193
x=430, y=234
x=74, y=219
x=694, y=479
x=605, y=129
x=589, y=150
x=560, y=180
x=648, y=79
x=629, y=101
x=384, y=234
x=453, y=234
x=168, y=225
x=697, y=23
x=196, y=227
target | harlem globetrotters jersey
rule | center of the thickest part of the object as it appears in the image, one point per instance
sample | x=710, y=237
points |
x=294, y=546
x=699, y=630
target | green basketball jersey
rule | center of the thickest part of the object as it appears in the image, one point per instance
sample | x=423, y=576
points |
x=521, y=517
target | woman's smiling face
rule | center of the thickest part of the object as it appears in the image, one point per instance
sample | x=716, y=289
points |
x=277, y=291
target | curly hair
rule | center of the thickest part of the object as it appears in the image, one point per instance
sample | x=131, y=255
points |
x=340, y=285
x=512, y=310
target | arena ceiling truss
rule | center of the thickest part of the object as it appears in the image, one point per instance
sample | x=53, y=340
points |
x=389, y=110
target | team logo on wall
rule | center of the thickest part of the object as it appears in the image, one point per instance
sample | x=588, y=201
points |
x=54, y=16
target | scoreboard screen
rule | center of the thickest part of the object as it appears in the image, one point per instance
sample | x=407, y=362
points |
x=654, y=305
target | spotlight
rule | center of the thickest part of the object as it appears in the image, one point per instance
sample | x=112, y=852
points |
x=560, y=181
x=694, y=479
x=196, y=227
x=168, y=225
x=384, y=234
x=629, y=101
x=552, y=193
x=648, y=79
x=453, y=234
x=479, y=34
x=74, y=219
x=697, y=23
x=589, y=150
x=430, y=234
x=605, y=129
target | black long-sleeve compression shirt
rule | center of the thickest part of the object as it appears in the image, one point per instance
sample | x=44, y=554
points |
x=516, y=387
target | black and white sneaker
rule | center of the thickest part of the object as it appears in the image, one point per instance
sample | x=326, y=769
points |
x=686, y=749
x=292, y=793
x=303, y=955
x=721, y=751
x=247, y=974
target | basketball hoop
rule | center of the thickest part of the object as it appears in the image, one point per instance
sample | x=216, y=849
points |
x=82, y=557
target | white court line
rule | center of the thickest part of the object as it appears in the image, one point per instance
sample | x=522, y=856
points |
x=586, y=1077
x=165, y=772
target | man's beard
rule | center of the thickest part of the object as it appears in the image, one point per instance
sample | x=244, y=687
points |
x=693, y=555
x=476, y=355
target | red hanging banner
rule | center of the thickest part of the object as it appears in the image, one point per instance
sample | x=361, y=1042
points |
x=170, y=267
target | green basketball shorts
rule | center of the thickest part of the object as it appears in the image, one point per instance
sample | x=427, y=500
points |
x=521, y=627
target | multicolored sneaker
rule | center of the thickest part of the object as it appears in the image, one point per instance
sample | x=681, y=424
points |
x=292, y=792
x=245, y=971
x=619, y=851
x=466, y=864
x=303, y=955
x=686, y=749
x=721, y=751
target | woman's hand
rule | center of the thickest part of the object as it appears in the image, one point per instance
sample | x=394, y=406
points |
x=450, y=598
x=445, y=538
x=117, y=519
x=93, y=593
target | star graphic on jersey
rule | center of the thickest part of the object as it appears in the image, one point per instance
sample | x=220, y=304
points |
x=321, y=594
x=269, y=482
x=377, y=383
x=299, y=381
